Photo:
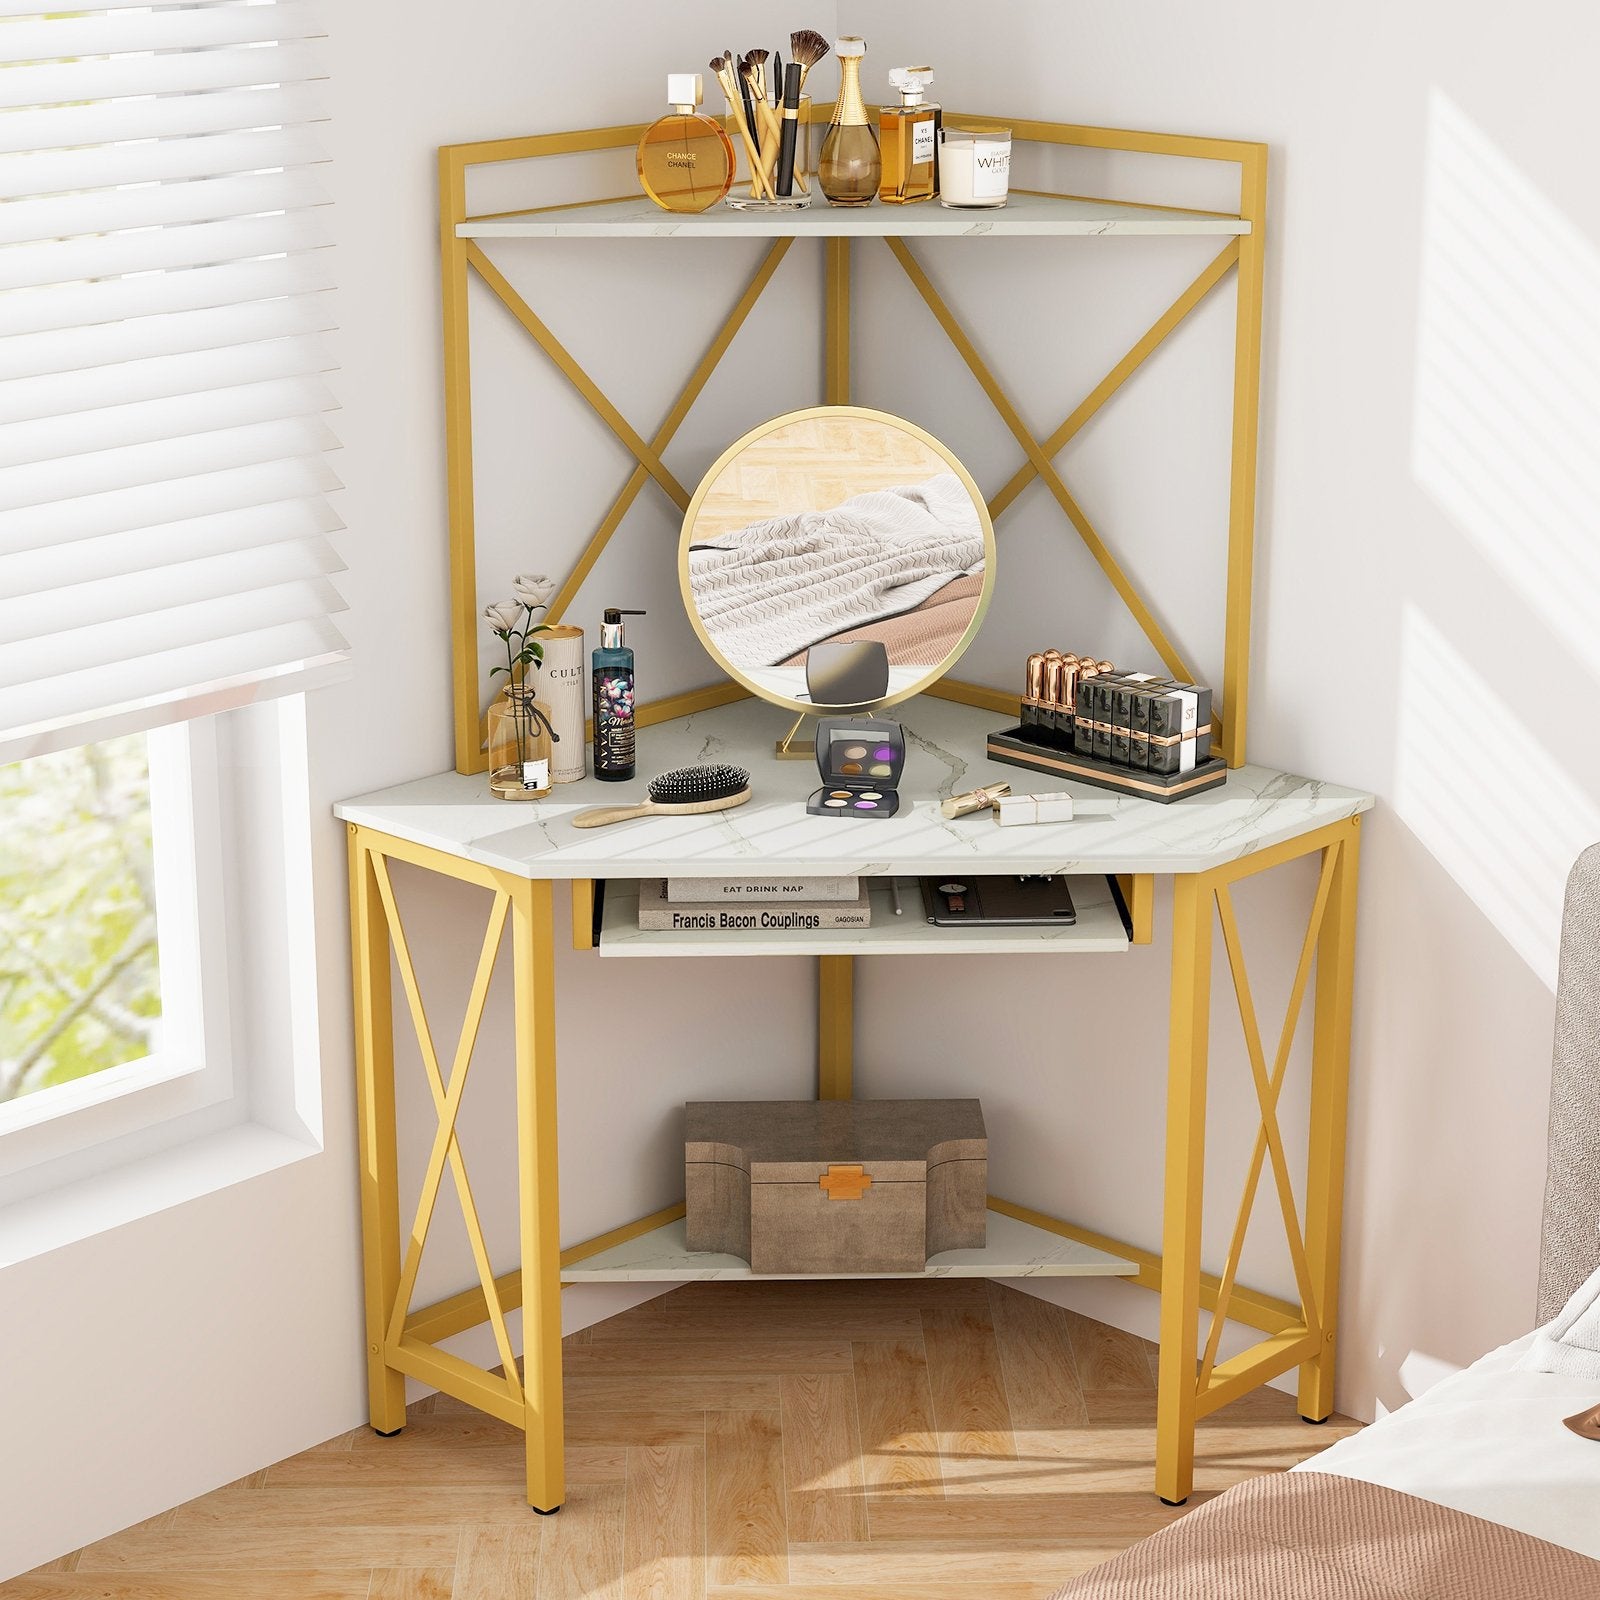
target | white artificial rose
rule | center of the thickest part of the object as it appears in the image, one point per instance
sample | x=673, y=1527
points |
x=502, y=615
x=533, y=589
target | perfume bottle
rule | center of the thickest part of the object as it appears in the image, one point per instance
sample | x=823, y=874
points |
x=849, y=167
x=685, y=160
x=910, y=139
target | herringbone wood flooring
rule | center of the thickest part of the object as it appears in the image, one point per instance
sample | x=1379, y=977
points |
x=781, y=1441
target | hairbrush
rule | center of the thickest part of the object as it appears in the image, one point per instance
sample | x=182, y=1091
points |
x=682, y=791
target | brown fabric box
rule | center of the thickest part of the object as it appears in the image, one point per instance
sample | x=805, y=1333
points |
x=867, y=1186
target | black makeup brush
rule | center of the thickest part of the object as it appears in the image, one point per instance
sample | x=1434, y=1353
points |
x=791, y=127
x=737, y=63
x=777, y=77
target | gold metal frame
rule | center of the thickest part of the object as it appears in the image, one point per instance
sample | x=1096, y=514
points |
x=1243, y=255
x=1193, y=1382
x=804, y=707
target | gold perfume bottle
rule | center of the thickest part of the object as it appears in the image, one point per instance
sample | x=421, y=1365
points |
x=849, y=168
x=685, y=160
x=910, y=142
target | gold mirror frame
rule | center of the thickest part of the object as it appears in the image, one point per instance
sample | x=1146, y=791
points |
x=805, y=708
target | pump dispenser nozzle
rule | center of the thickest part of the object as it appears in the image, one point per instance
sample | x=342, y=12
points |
x=611, y=628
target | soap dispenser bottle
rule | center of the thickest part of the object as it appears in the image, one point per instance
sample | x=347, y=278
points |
x=612, y=677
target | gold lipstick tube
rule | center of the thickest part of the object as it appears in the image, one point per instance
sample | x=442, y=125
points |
x=1033, y=683
x=984, y=799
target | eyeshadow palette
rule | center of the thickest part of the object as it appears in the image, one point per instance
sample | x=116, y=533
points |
x=860, y=760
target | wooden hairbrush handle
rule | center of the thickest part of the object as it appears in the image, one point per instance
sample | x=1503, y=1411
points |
x=599, y=816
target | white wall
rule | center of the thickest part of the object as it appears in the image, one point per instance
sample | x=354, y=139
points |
x=1429, y=478
x=1432, y=395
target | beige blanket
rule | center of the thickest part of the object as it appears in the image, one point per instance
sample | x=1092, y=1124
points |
x=1314, y=1536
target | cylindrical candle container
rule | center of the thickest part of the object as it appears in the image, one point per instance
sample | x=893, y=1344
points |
x=561, y=694
x=974, y=167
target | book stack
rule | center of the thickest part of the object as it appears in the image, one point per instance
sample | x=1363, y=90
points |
x=752, y=905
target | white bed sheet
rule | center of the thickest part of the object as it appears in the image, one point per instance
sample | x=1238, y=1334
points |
x=1489, y=1442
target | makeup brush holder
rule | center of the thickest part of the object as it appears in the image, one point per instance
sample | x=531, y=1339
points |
x=743, y=202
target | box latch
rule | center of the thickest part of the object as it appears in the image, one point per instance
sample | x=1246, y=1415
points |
x=844, y=1182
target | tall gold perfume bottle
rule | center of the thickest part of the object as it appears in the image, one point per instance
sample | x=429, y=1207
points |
x=850, y=167
x=910, y=139
x=685, y=160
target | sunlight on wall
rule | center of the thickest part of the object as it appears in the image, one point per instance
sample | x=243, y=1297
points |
x=1507, y=413
x=1506, y=833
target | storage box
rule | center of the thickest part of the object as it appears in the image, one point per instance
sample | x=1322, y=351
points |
x=835, y=1186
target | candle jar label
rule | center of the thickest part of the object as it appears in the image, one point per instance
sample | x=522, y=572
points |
x=991, y=171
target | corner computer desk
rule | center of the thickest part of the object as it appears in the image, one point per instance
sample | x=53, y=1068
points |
x=448, y=824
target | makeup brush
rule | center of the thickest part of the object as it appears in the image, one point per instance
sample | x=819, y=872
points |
x=760, y=184
x=723, y=73
x=686, y=790
x=777, y=78
x=736, y=71
x=766, y=117
x=808, y=47
x=769, y=115
x=758, y=69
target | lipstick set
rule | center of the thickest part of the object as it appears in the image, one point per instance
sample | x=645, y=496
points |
x=1050, y=695
x=1133, y=732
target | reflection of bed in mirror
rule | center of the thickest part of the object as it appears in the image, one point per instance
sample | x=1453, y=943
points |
x=836, y=526
x=902, y=564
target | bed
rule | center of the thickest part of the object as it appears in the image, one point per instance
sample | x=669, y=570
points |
x=1474, y=1491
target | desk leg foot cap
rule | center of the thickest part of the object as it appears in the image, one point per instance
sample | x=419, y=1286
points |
x=539, y=1511
x=393, y=1433
x=1166, y=1502
x=1315, y=1422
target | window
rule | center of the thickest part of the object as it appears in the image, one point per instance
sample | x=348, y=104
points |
x=165, y=559
x=80, y=973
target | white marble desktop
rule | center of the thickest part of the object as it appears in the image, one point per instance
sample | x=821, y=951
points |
x=1257, y=807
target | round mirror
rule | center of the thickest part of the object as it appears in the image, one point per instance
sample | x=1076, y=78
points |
x=836, y=559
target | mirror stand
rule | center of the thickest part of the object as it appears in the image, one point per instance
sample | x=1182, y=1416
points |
x=789, y=748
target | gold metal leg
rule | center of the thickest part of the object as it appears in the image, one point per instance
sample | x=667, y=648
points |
x=533, y=953
x=380, y=1186
x=836, y=982
x=836, y=335
x=1186, y=1150
x=1330, y=1078
x=1246, y=432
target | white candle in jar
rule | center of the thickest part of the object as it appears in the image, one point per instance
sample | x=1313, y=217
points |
x=974, y=167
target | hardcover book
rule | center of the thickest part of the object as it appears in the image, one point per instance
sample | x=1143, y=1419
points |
x=734, y=917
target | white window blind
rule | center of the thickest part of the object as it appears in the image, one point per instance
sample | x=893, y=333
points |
x=165, y=288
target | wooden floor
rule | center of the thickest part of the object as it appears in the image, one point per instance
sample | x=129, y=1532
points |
x=903, y=1440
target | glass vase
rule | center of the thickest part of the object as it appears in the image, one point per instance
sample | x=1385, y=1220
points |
x=519, y=745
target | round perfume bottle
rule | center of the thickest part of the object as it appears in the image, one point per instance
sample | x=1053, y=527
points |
x=686, y=161
x=850, y=165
